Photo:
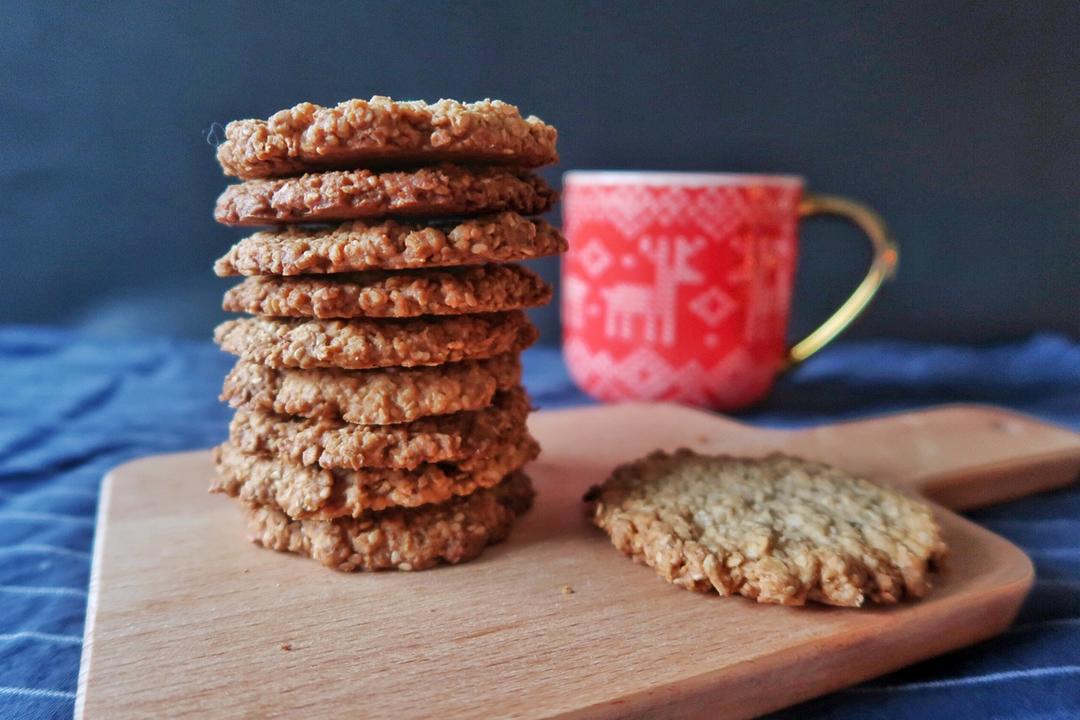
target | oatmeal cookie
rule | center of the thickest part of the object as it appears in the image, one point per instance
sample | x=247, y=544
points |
x=402, y=539
x=777, y=529
x=371, y=397
x=332, y=444
x=361, y=344
x=309, y=491
x=400, y=293
x=382, y=131
x=390, y=245
x=355, y=194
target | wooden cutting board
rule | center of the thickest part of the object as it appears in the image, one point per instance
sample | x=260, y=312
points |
x=188, y=620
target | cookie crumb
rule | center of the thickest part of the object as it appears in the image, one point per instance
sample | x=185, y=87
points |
x=567, y=590
x=286, y=646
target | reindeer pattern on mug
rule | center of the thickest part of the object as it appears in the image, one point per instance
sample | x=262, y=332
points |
x=674, y=292
x=654, y=303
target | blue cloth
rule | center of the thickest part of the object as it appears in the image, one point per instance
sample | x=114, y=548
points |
x=72, y=407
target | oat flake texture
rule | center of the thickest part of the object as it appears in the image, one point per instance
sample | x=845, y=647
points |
x=778, y=529
x=382, y=396
x=361, y=344
x=352, y=194
x=306, y=491
x=380, y=130
x=391, y=245
x=449, y=291
x=401, y=539
x=333, y=444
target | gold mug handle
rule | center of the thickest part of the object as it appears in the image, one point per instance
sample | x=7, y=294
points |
x=882, y=268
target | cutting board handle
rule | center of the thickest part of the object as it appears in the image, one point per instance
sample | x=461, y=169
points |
x=962, y=456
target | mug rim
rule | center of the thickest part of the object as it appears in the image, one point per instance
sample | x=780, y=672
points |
x=679, y=178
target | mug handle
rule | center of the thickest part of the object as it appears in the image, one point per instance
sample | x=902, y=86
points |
x=882, y=268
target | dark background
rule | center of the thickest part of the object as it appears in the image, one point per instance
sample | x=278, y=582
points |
x=959, y=122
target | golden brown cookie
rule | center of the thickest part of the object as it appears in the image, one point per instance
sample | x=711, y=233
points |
x=777, y=529
x=362, y=344
x=381, y=131
x=359, y=194
x=371, y=397
x=401, y=293
x=333, y=444
x=308, y=491
x=402, y=539
x=390, y=245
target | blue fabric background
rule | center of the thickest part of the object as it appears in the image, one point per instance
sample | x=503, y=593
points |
x=72, y=407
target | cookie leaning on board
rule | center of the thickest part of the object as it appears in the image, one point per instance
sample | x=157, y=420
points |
x=777, y=529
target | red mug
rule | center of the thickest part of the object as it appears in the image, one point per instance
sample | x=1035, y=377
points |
x=677, y=286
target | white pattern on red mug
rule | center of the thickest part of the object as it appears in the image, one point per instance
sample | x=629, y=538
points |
x=677, y=286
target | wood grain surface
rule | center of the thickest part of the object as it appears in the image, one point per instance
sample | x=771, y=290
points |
x=187, y=619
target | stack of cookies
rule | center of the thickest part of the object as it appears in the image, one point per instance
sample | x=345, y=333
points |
x=380, y=418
